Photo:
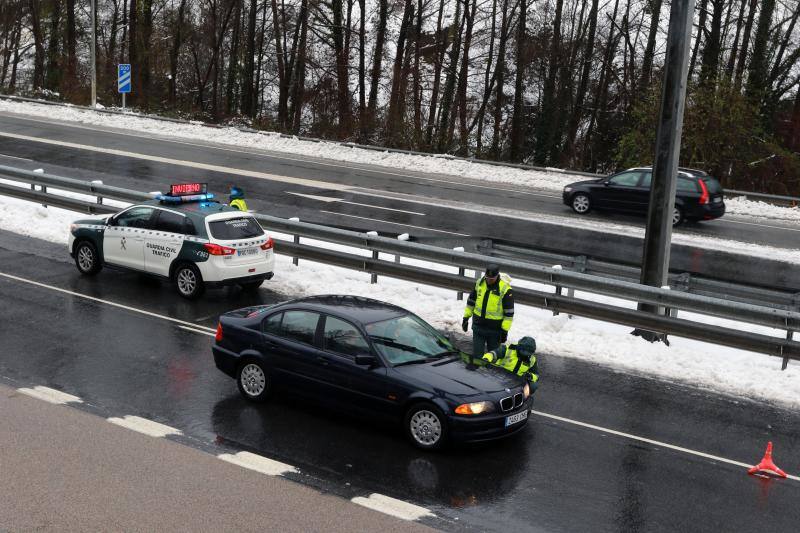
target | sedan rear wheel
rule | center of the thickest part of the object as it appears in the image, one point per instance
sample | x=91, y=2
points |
x=677, y=216
x=581, y=203
x=426, y=426
x=253, y=381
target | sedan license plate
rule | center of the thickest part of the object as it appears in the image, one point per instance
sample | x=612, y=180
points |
x=519, y=417
x=247, y=251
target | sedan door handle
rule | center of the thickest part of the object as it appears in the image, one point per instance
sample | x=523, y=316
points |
x=323, y=361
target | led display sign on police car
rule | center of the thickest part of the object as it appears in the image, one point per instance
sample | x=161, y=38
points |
x=182, y=189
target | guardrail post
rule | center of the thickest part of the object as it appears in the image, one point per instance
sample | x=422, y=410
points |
x=558, y=289
x=461, y=272
x=373, y=278
x=295, y=260
x=682, y=284
x=98, y=182
x=401, y=237
x=789, y=332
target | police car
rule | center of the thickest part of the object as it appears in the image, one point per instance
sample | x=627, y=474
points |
x=183, y=236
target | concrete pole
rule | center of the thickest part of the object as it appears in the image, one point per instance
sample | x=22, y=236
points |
x=658, y=236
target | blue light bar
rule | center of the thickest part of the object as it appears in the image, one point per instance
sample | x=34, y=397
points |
x=168, y=199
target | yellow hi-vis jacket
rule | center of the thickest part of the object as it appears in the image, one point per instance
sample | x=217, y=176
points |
x=506, y=357
x=492, y=307
x=239, y=204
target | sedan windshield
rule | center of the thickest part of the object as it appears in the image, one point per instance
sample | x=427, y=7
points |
x=408, y=340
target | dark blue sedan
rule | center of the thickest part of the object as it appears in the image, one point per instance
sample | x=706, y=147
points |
x=374, y=359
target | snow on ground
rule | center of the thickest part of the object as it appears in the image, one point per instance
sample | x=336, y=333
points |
x=551, y=181
x=729, y=371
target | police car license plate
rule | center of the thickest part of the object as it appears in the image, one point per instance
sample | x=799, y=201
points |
x=247, y=251
x=519, y=417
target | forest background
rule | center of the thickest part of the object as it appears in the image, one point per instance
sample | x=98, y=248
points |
x=565, y=83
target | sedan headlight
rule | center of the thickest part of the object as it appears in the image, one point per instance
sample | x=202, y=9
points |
x=526, y=391
x=477, y=408
x=567, y=189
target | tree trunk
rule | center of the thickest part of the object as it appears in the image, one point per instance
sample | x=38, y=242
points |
x=380, y=38
x=500, y=76
x=417, y=134
x=72, y=42
x=38, y=44
x=711, y=51
x=757, y=71
x=486, y=83
x=439, y=51
x=649, y=51
x=342, y=76
x=233, y=62
x=283, y=82
x=146, y=31
x=249, y=60
x=133, y=52
x=463, y=135
x=53, y=79
x=517, y=121
x=544, y=131
x=299, y=77
x=583, y=84
x=735, y=46
x=362, y=72
x=395, y=116
x=173, y=55
x=450, y=82
x=745, y=44
x=701, y=30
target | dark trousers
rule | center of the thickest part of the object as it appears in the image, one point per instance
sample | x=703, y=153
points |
x=484, y=340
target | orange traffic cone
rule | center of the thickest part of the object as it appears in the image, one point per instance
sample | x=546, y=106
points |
x=767, y=465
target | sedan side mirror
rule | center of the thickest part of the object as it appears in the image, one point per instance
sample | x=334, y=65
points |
x=607, y=183
x=366, y=360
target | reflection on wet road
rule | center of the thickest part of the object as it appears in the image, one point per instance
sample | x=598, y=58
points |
x=554, y=476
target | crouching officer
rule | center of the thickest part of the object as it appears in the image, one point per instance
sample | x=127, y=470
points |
x=491, y=307
x=517, y=358
x=236, y=199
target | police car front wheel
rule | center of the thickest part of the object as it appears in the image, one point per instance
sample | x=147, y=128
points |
x=87, y=259
x=188, y=281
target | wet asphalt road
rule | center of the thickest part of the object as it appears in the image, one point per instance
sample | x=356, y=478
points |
x=556, y=476
x=344, y=194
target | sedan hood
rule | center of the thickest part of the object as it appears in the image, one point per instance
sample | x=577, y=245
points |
x=458, y=378
x=586, y=182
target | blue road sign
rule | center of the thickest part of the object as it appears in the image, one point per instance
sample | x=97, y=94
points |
x=124, y=78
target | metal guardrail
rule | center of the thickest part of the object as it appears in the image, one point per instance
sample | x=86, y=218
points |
x=557, y=278
x=778, y=199
x=685, y=282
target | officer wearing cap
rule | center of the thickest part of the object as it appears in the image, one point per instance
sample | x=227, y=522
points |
x=517, y=358
x=236, y=199
x=491, y=307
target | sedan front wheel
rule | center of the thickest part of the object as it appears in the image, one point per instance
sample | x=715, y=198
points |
x=426, y=426
x=581, y=203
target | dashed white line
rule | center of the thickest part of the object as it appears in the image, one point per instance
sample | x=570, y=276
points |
x=329, y=199
x=258, y=463
x=107, y=302
x=50, y=395
x=396, y=223
x=197, y=330
x=393, y=507
x=649, y=441
x=143, y=425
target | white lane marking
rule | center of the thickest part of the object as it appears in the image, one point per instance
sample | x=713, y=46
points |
x=143, y=425
x=729, y=221
x=15, y=157
x=393, y=507
x=497, y=187
x=328, y=199
x=396, y=223
x=179, y=162
x=258, y=463
x=107, y=302
x=200, y=331
x=650, y=441
x=50, y=395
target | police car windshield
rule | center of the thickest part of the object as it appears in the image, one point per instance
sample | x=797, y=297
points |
x=405, y=340
x=235, y=228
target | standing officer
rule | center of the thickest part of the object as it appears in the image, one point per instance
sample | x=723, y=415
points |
x=236, y=199
x=491, y=306
x=518, y=359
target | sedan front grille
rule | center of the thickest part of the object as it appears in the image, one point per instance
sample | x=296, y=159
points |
x=512, y=402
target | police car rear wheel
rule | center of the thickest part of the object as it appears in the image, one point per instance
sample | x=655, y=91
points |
x=426, y=426
x=86, y=259
x=188, y=281
x=253, y=381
